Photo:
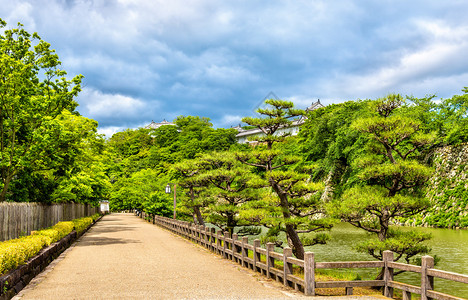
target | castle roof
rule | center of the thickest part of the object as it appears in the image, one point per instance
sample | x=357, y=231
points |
x=154, y=125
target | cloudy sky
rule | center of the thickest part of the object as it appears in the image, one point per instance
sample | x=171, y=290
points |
x=149, y=60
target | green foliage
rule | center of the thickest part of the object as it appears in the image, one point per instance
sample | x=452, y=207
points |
x=328, y=140
x=159, y=203
x=135, y=191
x=405, y=244
x=294, y=206
x=391, y=177
x=81, y=224
x=229, y=185
x=33, y=94
x=16, y=252
x=453, y=114
x=56, y=232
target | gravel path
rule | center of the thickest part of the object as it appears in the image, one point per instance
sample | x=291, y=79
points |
x=124, y=257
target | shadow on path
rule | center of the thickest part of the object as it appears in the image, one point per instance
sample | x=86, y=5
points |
x=113, y=229
x=101, y=241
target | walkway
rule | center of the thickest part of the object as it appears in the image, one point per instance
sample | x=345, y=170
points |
x=124, y=257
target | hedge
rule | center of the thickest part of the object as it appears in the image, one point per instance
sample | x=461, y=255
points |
x=16, y=252
x=82, y=223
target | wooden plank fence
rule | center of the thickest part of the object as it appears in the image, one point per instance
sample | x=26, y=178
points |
x=265, y=261
x=20, y=218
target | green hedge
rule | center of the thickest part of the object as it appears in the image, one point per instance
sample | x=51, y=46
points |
x=16, y=252
x=83, y=223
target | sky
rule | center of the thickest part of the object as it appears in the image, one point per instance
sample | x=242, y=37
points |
x=145, y=60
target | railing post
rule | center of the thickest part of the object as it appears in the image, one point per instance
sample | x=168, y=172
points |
x=234, y=247
x=225, y=247
x=309, y=274
x=218, y=241
x=427, y=282
x=387, y=256
x=199, y=240
x=207, y=238
x=212, y=240
x=270, y=262
x=256, y=255
x=287, y=267
x=245, y=240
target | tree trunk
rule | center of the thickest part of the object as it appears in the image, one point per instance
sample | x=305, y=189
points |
x=294, y=242
x=293, y=238
x=230, y=224
x=6, y=184
x=196, y=209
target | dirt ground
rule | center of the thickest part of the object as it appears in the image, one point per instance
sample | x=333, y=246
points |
x=125, y=257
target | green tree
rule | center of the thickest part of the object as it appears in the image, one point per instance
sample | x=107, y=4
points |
x=328, y=142
x=454, y=117
x=29, y=108
x=391, y=177
x=298, y=208
x=229, y=184
x=83, y=175
x=186, y=172
x=143, y=190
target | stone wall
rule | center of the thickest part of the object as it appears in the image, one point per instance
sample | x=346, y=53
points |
x=448, y=189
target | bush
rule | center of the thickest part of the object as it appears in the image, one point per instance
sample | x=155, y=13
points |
x=16, y=252
x=56, y=232
x=82, y=223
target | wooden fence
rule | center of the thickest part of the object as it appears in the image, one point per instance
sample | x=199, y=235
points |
x=18, y=219
x=279, y=266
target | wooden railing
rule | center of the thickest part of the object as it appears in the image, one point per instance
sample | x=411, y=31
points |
x=279, y=266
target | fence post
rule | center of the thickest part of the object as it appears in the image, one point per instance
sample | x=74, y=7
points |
x=256, y=255
x=309, y=274
x=245, y=253
x=234, y=247
x=225, y=246
x=427, y=282
x=270, y=262
x=213, y=240
x=287, y=267
x=218, y=241
x=387, y=256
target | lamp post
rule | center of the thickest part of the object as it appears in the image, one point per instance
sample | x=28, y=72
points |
x=168, y=191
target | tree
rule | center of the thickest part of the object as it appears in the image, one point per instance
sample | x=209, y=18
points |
x=327, y=140
x=29, y=108
x=229, y=184
x=298, y=208
x=143, y=190
x=82, y=177
x=186, y=173
x=391, y=177
x=454, y=117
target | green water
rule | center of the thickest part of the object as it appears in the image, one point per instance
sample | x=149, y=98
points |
x=450, y=245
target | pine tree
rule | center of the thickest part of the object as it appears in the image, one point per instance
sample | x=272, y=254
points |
x=294, y=206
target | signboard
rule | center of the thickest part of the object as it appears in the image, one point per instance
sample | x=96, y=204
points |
x=104, y=206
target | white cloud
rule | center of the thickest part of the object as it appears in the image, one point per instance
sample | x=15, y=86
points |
x=110, y=130
x=101, y=105
x=230, y=120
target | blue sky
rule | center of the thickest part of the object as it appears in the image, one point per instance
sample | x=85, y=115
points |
x=153, y=60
